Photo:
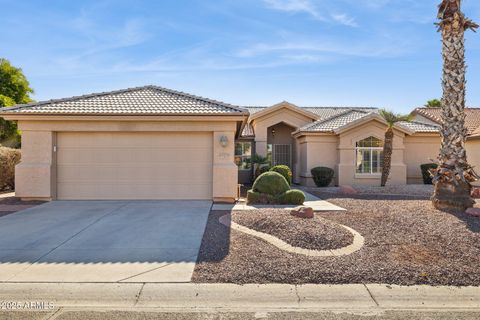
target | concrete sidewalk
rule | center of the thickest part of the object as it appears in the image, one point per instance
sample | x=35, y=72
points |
x=317, y=204
x=246, y=298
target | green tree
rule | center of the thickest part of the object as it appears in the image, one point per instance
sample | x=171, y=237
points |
x=434, y=103
x=13, y=83
x=14, y=89
x=452, y=179
x=391, y=118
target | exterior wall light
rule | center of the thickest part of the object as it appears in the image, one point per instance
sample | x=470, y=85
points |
x=224, y=141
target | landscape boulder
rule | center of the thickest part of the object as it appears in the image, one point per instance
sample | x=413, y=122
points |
x=347, y=190
x=474, y=212
x=476, y=192
x=302, y=212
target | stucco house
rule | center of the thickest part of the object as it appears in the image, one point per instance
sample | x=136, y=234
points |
x=155, y=143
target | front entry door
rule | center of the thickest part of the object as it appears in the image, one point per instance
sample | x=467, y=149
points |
x=282, y=154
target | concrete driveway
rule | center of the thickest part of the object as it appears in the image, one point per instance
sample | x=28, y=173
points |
x=103, y=241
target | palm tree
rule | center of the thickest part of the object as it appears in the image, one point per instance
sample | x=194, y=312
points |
x=258, y=162
x=453, y=177
x=434, y=103
x=391, y=118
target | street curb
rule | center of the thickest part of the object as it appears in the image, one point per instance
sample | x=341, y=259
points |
x=251, y=297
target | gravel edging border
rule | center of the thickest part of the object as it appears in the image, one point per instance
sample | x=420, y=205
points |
x=358, y=240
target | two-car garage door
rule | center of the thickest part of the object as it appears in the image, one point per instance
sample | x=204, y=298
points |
x=134, y=165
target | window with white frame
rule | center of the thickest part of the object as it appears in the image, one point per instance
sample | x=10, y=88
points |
x=369, y=156
x=243, y=155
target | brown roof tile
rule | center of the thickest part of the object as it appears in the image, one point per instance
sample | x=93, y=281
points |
x=472, y=119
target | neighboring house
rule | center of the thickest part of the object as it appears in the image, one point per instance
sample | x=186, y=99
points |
x=472, y=123
x=156, y=143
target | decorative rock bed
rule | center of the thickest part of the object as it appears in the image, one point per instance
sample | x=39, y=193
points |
x=313, y=237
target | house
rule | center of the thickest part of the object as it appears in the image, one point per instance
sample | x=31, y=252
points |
x=139, y=143
x=155, y=143
x=472, y=124
x=348, y=140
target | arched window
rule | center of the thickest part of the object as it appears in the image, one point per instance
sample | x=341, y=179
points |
x=369, y=156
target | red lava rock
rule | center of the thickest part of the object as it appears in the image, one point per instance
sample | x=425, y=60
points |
x=348, y=190
x=474, y=212
x=302, y=212
x=476, y=192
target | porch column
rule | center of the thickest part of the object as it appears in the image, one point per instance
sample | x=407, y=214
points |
x=225, y=171
x=35, y=174
x=261, y=141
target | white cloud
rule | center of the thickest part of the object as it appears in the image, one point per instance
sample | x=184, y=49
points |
x=345, y=20
x=312, y=8
x=293, y=6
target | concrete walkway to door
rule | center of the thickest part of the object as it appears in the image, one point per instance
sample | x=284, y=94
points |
x=103, y=241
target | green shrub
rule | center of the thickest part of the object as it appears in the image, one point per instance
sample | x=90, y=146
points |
x=260, y=198
x=284, y=171
x=322, y=176
x=427, y=178
x=265, y=168
x=271, y=183
x=293, y=196
x=8, y=159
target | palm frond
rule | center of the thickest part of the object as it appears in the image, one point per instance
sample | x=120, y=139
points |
x=391, y=117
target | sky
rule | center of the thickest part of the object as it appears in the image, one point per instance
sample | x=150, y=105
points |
x=374, y=53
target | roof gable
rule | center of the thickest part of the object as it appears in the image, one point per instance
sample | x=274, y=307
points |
x=147, y=100
x=282, y=105
x=346, y=121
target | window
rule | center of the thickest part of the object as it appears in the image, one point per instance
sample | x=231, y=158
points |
x=369, y=154
x=243, y=155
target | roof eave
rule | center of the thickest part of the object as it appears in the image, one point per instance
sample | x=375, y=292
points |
x=35, y=115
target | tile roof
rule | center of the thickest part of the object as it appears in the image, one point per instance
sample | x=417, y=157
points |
x=248, y=131
x=472, y=120
x=476, y=133
x=322, y=112
x=335, y=122
x=418, y=126
x=147, y=100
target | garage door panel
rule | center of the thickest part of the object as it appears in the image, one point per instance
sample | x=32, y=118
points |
x=123, y=191
x=134, y=165
x=72, y=174
x=109, y=156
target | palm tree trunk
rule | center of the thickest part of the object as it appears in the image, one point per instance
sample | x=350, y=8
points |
x=453, y=176
x=387, y=155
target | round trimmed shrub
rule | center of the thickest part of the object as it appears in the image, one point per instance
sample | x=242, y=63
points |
x=265, y=169
x=284, y=171
x=293, y=196
x=322, y=176
x=260, y=198
x=426, y=167
x=271, y=183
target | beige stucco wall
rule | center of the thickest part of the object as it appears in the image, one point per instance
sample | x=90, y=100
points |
x=316, y=151
x=420, y=149
x=35, y=175
x=347, y=162
x=473, y=155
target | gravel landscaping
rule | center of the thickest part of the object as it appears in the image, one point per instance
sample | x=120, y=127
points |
x=9, y=205
x=316, y=234
x=407, y=242
x=414, y=190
